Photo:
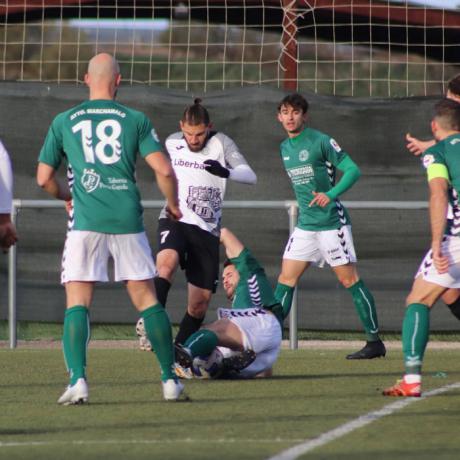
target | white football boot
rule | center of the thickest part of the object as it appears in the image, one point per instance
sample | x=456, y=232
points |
x=183, y=372
x=75, y=394
x=173, y=390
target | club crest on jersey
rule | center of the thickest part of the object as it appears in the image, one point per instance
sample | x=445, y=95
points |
x=90, y=180
x=303, y=155
x=428, y=160
x=335, y=146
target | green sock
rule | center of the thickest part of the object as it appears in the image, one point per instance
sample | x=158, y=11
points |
x=202, y=342
x=365, y=307
x=284, y=294
x=415, y=332
x=75, y=341
x=158, y=330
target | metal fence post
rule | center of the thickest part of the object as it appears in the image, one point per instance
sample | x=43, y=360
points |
x=293, y=317
x=12, y=319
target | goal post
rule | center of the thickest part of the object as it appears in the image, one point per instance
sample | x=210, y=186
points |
x=378, y=48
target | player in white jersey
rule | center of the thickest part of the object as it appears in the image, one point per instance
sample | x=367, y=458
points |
x=203, y=160
x=8, y=234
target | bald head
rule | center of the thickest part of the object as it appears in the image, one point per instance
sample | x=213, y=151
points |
x=103, y=65
x=103, y=76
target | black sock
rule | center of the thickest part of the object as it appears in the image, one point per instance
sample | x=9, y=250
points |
x=162, y=286
x=187, y=327
x=455, y=308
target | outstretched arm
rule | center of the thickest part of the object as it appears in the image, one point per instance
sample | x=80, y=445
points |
x=166, y=180
x=233, y=246
x=416, y=146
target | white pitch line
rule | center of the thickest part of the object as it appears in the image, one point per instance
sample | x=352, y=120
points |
x=325, y=438
x=146, y=441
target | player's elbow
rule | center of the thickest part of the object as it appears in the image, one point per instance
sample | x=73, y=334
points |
x=252, y=178
x=168, y=172
x=354, y=173
x=41, y=182
x=357, y=173
x=223, y=233
x=165, y=170
x=43, y=178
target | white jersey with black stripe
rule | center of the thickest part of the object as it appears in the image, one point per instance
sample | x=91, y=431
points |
x=201, y=193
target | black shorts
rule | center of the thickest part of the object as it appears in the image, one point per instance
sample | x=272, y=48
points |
x=198, y=251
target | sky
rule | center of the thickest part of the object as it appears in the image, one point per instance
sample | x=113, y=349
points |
x=437, y=3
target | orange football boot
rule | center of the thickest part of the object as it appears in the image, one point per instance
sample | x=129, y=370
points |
x=401, y=388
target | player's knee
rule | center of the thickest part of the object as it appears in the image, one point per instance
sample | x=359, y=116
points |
x=166, y=271
x=287, y=280
x=427, y=300
x=198, y=309
x=348, y=281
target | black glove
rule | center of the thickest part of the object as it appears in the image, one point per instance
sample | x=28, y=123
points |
x=214, y=167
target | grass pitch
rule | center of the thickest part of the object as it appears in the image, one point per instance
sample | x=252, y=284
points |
x=312, y=392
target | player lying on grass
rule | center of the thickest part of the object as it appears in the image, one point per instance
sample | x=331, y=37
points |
x=248, y=336
x=440, y=269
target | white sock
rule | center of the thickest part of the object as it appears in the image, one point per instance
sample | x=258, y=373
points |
x=413, y=378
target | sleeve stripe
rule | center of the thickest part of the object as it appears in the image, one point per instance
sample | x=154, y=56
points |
x=437, y=170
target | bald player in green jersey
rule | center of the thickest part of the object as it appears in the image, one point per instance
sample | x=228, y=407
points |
x=440, y=269
x=323, y=231
x=100, y=140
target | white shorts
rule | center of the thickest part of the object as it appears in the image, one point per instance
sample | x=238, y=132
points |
x=332, y=246
x=261, y=333
x=451, y=248
x=86, y=255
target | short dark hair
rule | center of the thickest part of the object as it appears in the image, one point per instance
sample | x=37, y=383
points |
x=296, y=101
x=196, y=114
x=454, y=85
x=227, y=262
x=447, y=114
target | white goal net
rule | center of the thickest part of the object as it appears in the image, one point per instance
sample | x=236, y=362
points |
x=352, y=48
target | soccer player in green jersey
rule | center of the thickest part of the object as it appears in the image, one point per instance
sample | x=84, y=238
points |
x=323, y=231
x=100, y=139
x=248, y=335
x=416, y=146
x=440, y=269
